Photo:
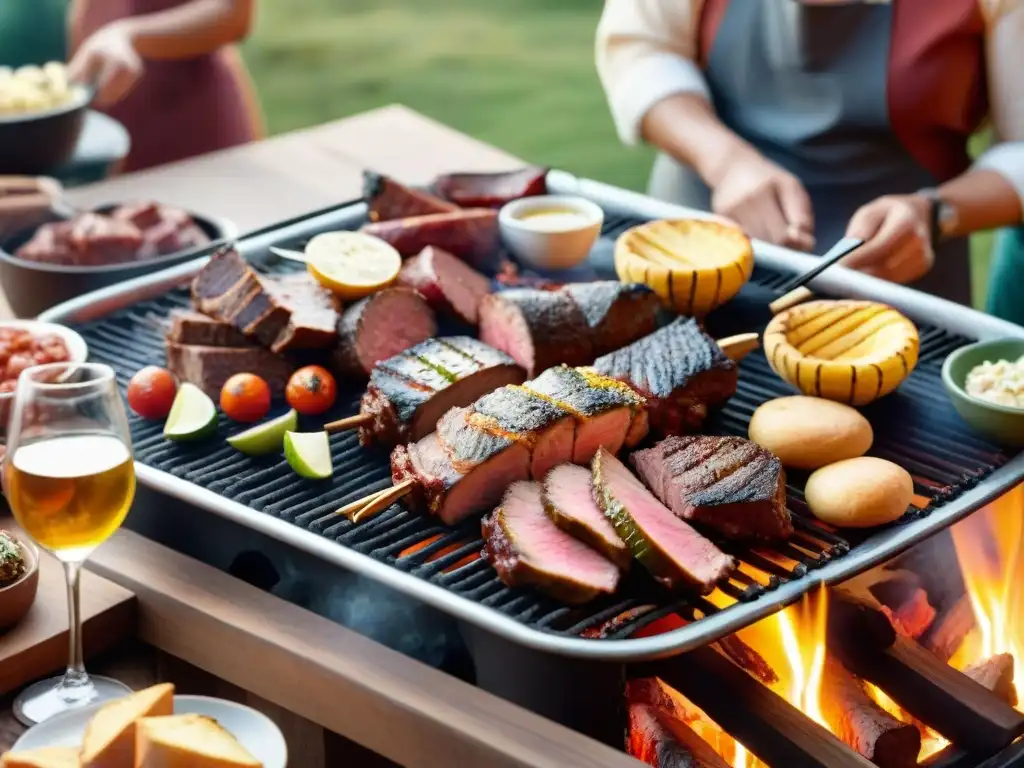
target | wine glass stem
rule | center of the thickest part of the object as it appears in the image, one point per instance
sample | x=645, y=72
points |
x=76, y=685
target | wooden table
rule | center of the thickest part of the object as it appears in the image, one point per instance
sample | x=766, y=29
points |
x=340, y=698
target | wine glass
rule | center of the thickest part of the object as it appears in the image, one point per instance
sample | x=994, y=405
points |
x=70, y=480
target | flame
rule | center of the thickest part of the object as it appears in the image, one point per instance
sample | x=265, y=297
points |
x=990, y=548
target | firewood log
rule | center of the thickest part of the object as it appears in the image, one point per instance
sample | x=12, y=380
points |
x=950, y=628
x=996, y=674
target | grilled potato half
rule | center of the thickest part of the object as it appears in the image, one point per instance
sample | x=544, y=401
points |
x=693, y=265
x=849, y=351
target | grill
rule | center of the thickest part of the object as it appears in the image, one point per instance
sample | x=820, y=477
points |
x=953, y=470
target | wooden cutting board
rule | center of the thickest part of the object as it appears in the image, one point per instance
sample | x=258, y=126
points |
x=38, y=645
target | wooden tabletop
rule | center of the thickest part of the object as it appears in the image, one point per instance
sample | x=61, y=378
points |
x=396, y=707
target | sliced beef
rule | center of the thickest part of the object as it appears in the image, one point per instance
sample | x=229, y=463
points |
x=441, y=490
x=617, y=313
x=527, y=549
x=388, y=199
x=409, y=392
x=449, y=285
x=210, y=367
x=380, y=326
x=288, y=314
x=188, y=327
x=471, y=235
x=681, y=372
x=491, y=190
x=728, y=484
x=673, y=552
x=569, y=502
x=571, y=325
x=538, y=329
x=604, y=409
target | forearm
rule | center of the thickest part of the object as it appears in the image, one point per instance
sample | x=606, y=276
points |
x=983, y=199
x=189, y=30
x=685, y=127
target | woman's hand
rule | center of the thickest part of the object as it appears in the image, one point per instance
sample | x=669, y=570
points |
x=768, y=202
x=897, y=242
x=109, y=61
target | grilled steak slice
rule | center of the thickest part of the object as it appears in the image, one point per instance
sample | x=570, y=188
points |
x=680, y=370
x=491, y=190
x=313, y=323
x=449, y=285
x=725, y=483
x=210, y=367
x=409, y=392
x=441, y=490
x=604, y=409
x=527, y=549
x=617, y=313
x=471, y=235
x=188, y=327
x=388, y=199
x=380, y=326
x=291, y=313
x=673, y=552
x=571, y=325
x=569, y=501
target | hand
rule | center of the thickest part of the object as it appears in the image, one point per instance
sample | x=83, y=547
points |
x=897, y=242
x=768, y=202
x=109, y=61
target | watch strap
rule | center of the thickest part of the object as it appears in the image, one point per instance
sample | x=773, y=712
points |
x=934, y=213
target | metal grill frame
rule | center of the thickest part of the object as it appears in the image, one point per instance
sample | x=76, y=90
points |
x=837, y=281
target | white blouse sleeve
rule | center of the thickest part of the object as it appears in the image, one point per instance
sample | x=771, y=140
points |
x=1005, y=59
x=646, y=52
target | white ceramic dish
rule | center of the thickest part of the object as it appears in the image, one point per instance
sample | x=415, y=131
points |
x=559, y=245
x=255, y=731
x=77, y=349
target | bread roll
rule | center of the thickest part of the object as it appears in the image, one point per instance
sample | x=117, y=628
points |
x=859, y=493
x=808, y=432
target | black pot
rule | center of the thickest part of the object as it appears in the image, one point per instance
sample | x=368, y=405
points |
x=32, y=286
x=39, y=142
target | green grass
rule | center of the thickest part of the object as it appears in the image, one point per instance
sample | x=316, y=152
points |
x=518, y=74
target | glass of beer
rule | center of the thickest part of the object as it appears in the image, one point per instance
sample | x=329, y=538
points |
x=69, y=479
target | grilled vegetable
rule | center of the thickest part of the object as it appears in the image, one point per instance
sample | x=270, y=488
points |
x=692, y=264
x=850, y=351
x=151, y=392
x=311, y=390
x=245, y=397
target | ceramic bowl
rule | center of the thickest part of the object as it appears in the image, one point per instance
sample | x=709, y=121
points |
x=40, y=142
x=17, y=598
x=553, y=248
x=1002, y=424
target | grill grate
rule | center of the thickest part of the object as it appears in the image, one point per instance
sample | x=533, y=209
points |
x=916, y=427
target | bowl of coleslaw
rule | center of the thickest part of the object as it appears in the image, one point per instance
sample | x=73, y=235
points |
x=41, y=117
x=985, y=383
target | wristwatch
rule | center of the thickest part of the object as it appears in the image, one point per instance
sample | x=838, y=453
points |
x=943, y=219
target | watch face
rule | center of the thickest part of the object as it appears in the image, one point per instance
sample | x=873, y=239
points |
x=948, y=218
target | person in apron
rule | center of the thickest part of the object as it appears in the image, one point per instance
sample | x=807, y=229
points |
x=169, y=72
x=805, y=121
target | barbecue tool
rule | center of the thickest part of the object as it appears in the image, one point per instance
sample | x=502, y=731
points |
x=795, y=290
x=734, y=347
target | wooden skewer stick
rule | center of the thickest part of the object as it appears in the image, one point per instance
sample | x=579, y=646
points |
x=351, y=422
x=383, y=501
x=739, y=346
x=797, y=293
x=791, y=299
x=353, y=506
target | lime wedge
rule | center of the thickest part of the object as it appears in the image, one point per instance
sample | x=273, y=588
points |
x=267, y=437
x=352, y=264
x=309, y=454
x=193, y=415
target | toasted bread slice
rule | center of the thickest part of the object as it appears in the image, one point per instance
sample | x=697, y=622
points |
x=109, y=740
x=188, y=741
x=47, y=757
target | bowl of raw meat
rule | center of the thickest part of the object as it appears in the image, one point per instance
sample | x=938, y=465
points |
x=81, y=252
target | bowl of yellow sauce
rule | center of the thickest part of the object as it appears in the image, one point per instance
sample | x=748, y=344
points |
x=550, y=232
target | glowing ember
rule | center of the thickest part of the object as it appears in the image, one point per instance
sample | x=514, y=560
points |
x=989, y=548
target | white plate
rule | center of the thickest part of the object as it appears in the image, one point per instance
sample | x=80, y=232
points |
x=254, y=731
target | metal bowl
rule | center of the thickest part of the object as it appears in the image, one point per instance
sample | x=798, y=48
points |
x=36, y=143
x=1003, y=424
x=32, y=287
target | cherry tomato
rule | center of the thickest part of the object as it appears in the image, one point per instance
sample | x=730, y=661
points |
x=245, y=397
x=151, y=392
x=311, y=390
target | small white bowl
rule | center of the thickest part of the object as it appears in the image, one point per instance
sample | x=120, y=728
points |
x=78, y=352
x=553, y=247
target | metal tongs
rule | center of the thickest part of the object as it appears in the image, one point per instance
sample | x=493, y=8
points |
x=796, y=290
